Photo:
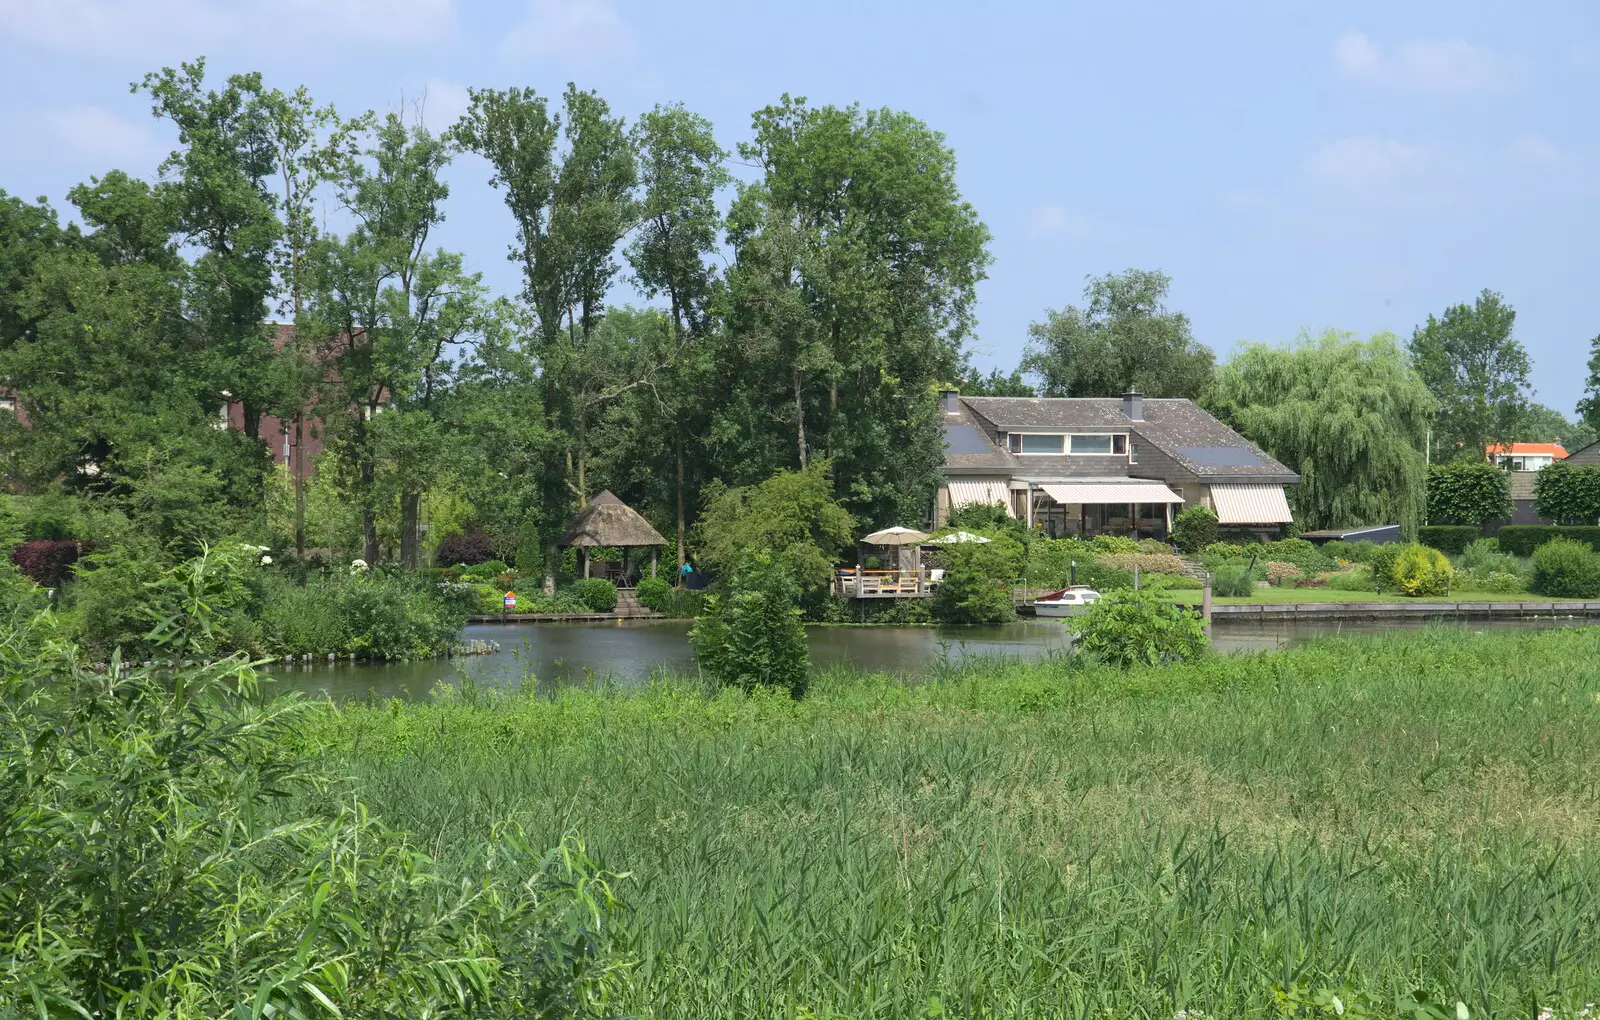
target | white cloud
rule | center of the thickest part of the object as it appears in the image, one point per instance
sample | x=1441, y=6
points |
x=99, y=134
x=1051, y=220
x=393, y=21
x=570, y=31
x=1365, y=162
x=1440, y=67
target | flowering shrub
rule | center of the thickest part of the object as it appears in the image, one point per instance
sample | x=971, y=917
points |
x=1421, y=570
x=1148, y=563
x=1280, y=573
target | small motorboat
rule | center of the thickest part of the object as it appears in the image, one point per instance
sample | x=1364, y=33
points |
x=1066, y=602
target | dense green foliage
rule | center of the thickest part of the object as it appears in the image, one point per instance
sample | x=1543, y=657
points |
x=1566, y=494
x=147, y=872
x=1194, y=528
x=1449, y=538
x=1467, y=492
x=750, y=635
x=598, y=594
x=792, y=517
x=1565, y=568
x=1350, y=416
x=1420, y=570
x=1126, y=628
x=654, y=593
x=1123, y=336
x=1523, y=539
x=1056, y=840
x=1233, y=579
x=978, y=581
x=1477, y=371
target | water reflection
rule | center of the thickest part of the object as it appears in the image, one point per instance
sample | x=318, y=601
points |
x=629, y=652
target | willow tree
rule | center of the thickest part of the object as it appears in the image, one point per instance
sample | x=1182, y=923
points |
x=1351, y=416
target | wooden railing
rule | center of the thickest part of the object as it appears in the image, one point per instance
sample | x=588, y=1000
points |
x=868, y=584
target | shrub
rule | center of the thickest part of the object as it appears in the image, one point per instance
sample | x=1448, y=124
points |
x=1138, y=627
x=1359, y=579
x=1449, y=538
x=1564, y=568
x=1421, y=570
x=977, y=583
x=1194, y=528
x=1484, y=557
x=469, y=548
x=1221, y=552
x=202, y=896
x=654, y=593
x=1360, y=552
x=1563, y=492
x=598, y=594
x=1382, y=563
x=750, y=635
x=487, y=570
x=1280, y=573
x=1500, y=582
x=1050, y=561
x=47, y=561
x=1234, y=580
x=1148, y=563
x=1300, y=552
x=1155, y=547
x=872, y=563
x=1469, y=493
x=1101, y=576
x=1523, y=539
x=1114, y=544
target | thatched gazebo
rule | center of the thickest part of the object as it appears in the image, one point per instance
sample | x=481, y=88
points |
x=607, y=522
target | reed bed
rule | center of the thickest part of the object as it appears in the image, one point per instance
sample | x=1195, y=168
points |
x=1390, y=816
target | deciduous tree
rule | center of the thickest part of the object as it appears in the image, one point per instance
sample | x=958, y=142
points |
x=1349, y=415
x=1123, y=336
x=1478, y=373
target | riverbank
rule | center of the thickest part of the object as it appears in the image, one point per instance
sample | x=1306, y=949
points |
x=1052, y=840
x=1275, y=596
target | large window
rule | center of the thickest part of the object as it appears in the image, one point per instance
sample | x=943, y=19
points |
x=1100, y=443
x=1031, y=442
x=1116, y=445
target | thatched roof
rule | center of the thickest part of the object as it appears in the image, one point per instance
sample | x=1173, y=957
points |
x=608, y=521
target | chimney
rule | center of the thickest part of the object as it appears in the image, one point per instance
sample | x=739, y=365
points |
x=1133, y=405
x=949, y=401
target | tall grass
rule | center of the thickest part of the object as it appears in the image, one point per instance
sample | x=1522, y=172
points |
x=1391, y=815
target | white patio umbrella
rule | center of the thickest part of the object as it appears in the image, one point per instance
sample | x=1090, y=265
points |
x=957, y=538
x=895, y=536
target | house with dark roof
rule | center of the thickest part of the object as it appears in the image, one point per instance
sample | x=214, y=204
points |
x=1105, y=465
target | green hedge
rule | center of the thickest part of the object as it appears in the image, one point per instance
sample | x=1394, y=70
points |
x=1449, y=538
x=1523, y=539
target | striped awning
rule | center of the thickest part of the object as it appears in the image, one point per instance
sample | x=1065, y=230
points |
x=984, y=491
x=1251, y=504
x=1111, y=492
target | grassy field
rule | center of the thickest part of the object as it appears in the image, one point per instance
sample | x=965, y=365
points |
x=1279, y=595
x=1388, y=815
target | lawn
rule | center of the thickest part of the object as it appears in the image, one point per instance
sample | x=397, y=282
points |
x=1280, y=595
x=1405, y=814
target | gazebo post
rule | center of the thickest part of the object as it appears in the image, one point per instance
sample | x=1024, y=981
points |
x=584, y=552
x=655, y=559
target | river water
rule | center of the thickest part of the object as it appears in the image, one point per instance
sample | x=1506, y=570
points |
x=629, y=652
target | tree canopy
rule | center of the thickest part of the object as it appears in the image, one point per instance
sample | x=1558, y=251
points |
x=1478, y=373
x=1349, y=415
x=1123, y=336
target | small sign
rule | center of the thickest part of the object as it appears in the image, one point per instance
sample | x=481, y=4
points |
x=511, y=600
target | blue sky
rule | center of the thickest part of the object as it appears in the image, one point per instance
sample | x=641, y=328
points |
x=1292, y=165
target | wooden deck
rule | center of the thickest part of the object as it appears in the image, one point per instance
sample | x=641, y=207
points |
x=886, y=584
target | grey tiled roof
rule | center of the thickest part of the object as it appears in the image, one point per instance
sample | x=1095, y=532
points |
x=1173, y=425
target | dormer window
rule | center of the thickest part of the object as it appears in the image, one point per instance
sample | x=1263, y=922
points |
x=1103, y=444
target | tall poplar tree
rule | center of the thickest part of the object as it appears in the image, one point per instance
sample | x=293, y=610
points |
x=1477, y=371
